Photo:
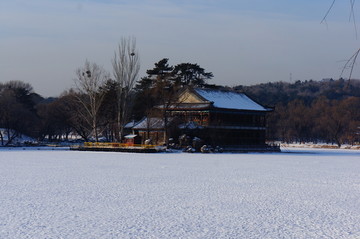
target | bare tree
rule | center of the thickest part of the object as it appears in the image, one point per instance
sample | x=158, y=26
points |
x=89, y=81
x=17, y=111
x=350, y=63
x=11, y=117
x=126, y=66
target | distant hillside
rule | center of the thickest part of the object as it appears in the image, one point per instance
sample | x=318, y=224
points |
x=317, y=111
x=273, y=93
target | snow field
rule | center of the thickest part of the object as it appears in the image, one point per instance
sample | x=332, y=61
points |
x=68, y=194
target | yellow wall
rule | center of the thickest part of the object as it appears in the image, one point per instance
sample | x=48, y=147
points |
x=188, y=97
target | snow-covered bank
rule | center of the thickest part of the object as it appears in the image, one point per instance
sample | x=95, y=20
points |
x=34, y=148
x=308, y=193
x=320, y=146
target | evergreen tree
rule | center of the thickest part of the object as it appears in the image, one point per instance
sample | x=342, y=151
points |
x=188, y=74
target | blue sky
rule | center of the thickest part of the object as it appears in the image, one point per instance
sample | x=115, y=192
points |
x=241, y=41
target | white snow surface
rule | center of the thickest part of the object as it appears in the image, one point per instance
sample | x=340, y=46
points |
x=303, y=193
x=230, y=100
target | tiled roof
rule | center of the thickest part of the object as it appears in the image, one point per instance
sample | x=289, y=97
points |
x=152, y=123
x=230, y=100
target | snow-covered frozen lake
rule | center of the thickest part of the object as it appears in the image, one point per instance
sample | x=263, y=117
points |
x=304, y=193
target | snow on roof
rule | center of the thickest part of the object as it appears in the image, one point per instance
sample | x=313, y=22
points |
x=130, y=136
x=130, y=124
x=230, y=100
x=154, y=123
x=190, y=125
x=193, y=106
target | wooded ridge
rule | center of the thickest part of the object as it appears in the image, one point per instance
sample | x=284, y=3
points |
x=317, y=111
x=311, y=111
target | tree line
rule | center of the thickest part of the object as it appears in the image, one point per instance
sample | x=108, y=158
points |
x=325, y=111
x=101, y=104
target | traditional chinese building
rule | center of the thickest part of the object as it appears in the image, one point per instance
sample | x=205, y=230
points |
x=151, y=130
x=228, y=118
x=217, y=117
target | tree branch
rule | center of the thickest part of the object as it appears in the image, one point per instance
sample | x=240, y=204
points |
x=328, y=11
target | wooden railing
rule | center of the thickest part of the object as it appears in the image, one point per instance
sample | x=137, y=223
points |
x=117, y=145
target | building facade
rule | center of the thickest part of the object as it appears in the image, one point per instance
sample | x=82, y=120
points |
x=217, y=117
